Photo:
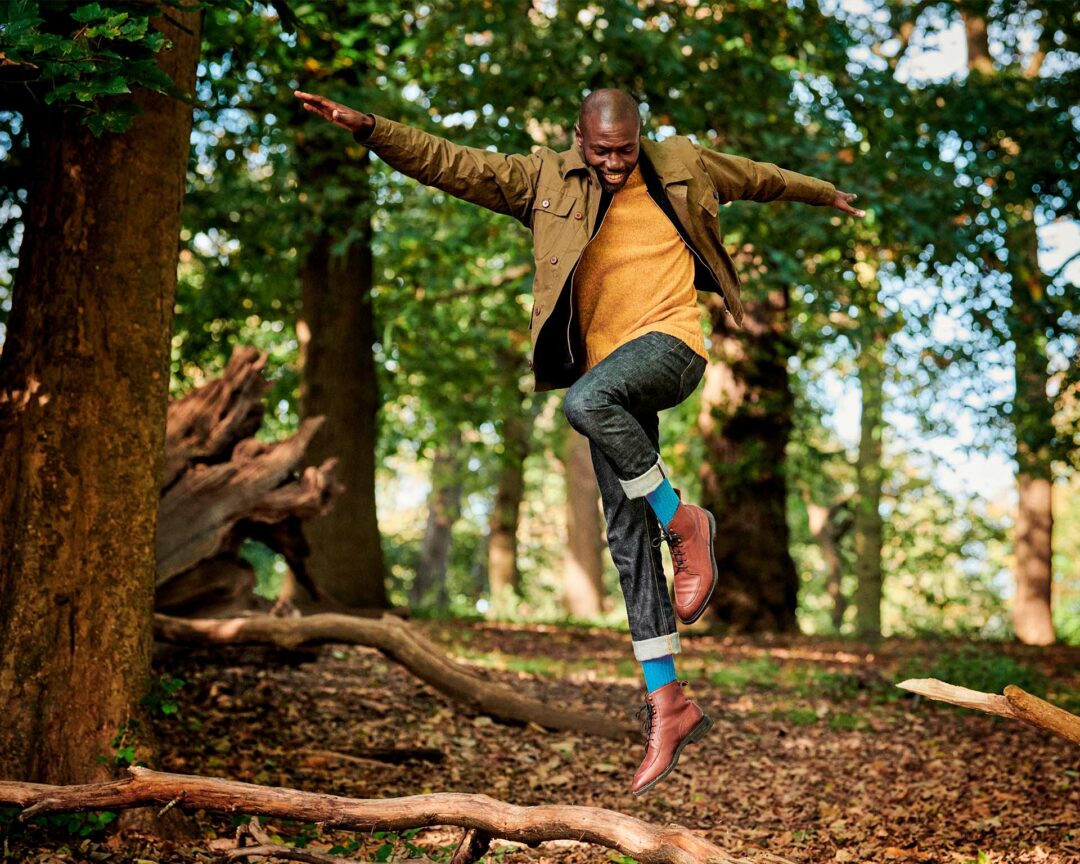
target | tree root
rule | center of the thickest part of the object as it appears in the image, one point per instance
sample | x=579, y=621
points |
x=400, y=642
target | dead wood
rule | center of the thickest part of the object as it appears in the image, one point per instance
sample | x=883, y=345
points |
x=399, y=641
x=208, y=422
x=1016, y=703
x=267, y=848
x=201, y=509
x=222, y=487
x=649, y=844
x=473, y=846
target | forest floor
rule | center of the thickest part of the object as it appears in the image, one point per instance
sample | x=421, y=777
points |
x=814, y=754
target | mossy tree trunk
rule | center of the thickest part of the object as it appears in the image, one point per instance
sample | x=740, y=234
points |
x=83, y=390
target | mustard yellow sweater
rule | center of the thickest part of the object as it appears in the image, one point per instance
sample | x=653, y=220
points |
x=636, y=275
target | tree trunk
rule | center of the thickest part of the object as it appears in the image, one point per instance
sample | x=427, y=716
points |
x=745, y=420
x=828, y=525
x=83, y=390
x=870, y=472
x=1032, y=410
x=1032, y=415
x=444, y=509
x=337, y=333
x=583, y=564
x=502, y=539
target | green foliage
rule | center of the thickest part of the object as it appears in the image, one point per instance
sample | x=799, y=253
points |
x=76, y=55
x=160, y=697
x=124, y=743
x=81, y=825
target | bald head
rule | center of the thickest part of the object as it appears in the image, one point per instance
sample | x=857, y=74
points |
x=608, y=132
x=610, y=108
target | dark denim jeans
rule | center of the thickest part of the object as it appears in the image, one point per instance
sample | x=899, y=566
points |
x=615, y=405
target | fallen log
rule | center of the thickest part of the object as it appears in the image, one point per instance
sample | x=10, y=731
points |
x=399, y=641
x=1015, y=703
x=649, y=844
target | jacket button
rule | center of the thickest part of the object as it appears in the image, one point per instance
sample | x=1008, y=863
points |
x=716, y=195
x=545, y=203
x=554, y=259
x=536, y=311
x=577, y=216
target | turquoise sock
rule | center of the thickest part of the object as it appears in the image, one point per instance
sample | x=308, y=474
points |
x=658, y=672
x=664, y=502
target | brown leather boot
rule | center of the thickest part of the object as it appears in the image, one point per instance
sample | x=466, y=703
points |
x=690, y=536
x=671, y=722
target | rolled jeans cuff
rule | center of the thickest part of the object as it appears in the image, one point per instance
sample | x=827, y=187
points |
x=639, y=487
x=658, y=646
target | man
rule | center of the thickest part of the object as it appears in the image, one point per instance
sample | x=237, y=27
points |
x=625, y=232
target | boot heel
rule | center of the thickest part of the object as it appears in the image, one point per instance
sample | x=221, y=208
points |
x=699, y=731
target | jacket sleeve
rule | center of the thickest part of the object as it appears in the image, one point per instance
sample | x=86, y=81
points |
x=736, y=177
x=505, y=183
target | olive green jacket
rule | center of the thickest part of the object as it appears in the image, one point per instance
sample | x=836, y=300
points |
x=558, y=196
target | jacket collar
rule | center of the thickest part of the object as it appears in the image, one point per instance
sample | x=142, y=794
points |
x=669, y=168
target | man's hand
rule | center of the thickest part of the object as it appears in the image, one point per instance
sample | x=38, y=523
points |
x=336, y=113
x=842, y=203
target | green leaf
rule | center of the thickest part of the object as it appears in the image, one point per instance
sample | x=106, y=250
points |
x=90, y=12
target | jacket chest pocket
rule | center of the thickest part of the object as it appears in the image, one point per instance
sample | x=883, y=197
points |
x=556, y=216
x=710, y=202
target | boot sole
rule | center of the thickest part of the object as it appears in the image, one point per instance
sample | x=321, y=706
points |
x=715, y=573
x=696, y=734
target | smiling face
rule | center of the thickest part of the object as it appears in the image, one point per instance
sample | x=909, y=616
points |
x=611, y=147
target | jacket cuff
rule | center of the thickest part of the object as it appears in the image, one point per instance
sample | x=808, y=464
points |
x=366, y=139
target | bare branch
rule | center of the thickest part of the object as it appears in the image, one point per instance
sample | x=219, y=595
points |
x=648, y=843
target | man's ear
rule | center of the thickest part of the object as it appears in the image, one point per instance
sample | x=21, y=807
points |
x=577, y=135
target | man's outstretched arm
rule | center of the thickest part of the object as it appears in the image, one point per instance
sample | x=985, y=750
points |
x=504, y=183
x=738, y=178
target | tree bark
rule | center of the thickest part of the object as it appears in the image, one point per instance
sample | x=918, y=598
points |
x=1033, y=422
x=869, y=469
x=745, y=420
x=338, y=381
x=828, y=525
x=583, y=566
x=649, y=844
x=503, y=577
x=444, y=509
x=1032, y=410
x=83, y=390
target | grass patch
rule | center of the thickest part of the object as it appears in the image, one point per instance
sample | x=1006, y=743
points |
x=797, y=716
x=846, y=722
x=737, y=677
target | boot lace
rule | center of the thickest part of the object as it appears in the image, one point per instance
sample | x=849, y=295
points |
x=645, y=713
x=678, y=552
